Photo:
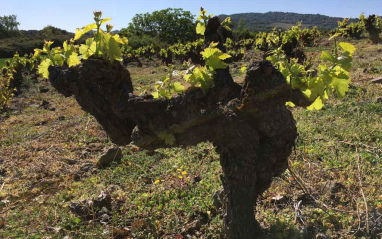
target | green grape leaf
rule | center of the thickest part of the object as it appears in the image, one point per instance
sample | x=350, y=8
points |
x=200, y=78
x=37, y=52
x=326, y=56
x=345, y=61
x=114, y=50
x=316, y=87
x=65, y=46
x=316, y=105
x=80, y=32
x=213, y=57
x=307, y=93
x=273, y=59
x=297, y=70
x=347, y=47
x=178, y=87
x=224, y=56
x=43, y=68
x=58, y=59
x=290, y=104
x=73, y=59
x=206, y=81
x=341, y=86
x=104, y=20
x=155, y=94
x=57, y=50
x=88, y=49
x=226, y=23
x=189, y=78
x=200, y=28
x=163, y=92
x=215, y=63
x=46, y=47
x=122, y=41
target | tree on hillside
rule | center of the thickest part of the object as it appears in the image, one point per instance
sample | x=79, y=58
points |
x=171, y=25
x=242, y=31
x=8, y=26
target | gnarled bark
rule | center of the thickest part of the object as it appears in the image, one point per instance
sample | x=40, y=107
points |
x=250, y=126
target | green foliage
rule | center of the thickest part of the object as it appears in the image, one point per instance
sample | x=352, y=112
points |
x=12, y=74
x=106, y=44
x=214, y=58
x=265, y=22
x=170, y=25
x=352, y=30
x=202, y=21
x=6, y=93
x=203, y=76
x=103, y=44
x=373, y=25
x=8, y=26
x=241, y=31
x=200, y=76
x=167, y=87
x=333, y=74
x=57, y=56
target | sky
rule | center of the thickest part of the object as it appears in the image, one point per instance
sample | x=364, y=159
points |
x=71, y=14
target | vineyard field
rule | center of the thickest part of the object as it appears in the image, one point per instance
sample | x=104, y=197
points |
x=49, y=148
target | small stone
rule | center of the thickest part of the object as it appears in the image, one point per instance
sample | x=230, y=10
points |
x=377, y=80
x=2, y=222
x=44, y=104
x=44, y=122
x=379, y=100
x=278, y=199
x=57, y=229
x=85, y=153
x=193, y=226
x=197, y=179
x=86, y=167
x=69, y=161
x=122, y=232
x=43, y=90
x=321, y=236
x=111, y=155
x=3, y=171
x=77, y=177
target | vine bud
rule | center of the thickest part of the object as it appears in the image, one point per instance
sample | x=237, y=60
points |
x=109, y=27
x=97, y=15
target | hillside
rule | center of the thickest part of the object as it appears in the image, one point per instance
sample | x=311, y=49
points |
x=266, y=21
x=27, y=41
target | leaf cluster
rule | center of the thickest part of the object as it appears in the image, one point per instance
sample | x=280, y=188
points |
x=13, y=69
x=103, y=44
x=332, y=78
